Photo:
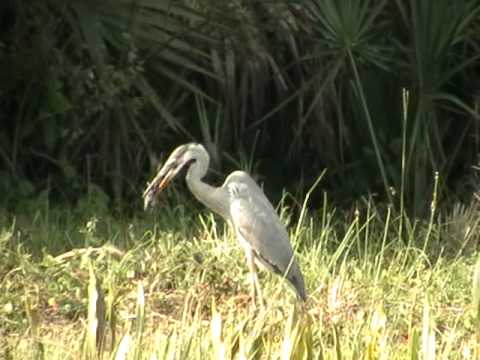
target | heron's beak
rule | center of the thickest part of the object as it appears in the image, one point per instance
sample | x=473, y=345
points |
x=160, y=182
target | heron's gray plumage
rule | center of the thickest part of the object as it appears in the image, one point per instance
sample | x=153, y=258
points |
x=255, y=219
x=240, y=201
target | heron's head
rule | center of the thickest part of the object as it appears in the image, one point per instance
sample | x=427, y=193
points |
x=181, y=156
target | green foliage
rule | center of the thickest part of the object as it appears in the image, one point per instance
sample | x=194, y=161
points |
x=436, y=33
x=160, y=287
x=476, y=300
x=80, y=112
x=95, y=92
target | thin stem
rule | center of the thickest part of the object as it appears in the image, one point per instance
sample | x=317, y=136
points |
x=370, y=126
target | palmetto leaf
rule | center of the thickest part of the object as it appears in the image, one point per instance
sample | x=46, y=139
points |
x=435, y=28
x=435, y=50
x=347, y=36
x=163, y=30
x=123, y=38
x=349, y=25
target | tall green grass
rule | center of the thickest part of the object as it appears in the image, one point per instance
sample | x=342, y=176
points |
x=173, y=285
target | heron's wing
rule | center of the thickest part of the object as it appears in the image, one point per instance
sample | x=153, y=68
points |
x=254, y=217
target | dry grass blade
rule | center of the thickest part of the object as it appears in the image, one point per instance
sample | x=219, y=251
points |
x=216, y=333
x=140, y=322
x=95, y=331
x=428, y=334
x=123, y=348
x=476, y=302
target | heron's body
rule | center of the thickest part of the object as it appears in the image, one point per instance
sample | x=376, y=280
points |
x=241, y=202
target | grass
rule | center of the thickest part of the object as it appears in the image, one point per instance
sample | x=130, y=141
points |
x=80, y=284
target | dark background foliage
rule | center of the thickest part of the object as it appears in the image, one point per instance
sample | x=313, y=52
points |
x=381, y=93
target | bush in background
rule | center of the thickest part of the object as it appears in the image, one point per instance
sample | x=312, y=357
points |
x=383, y=94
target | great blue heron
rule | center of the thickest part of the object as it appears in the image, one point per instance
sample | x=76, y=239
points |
x=241, y=202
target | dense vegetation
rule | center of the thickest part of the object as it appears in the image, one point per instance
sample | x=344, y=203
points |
x=365, y=112
x=174, y=286
x=381, y=93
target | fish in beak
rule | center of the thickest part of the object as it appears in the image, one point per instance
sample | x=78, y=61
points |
x=179, y=158
x=160, y=182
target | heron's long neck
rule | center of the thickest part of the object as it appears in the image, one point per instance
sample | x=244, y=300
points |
x=215, y=198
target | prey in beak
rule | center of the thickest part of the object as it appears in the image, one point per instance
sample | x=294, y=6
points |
x=160, y=182
x=172, y=166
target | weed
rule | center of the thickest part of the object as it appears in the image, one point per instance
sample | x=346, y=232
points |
x=160, y=287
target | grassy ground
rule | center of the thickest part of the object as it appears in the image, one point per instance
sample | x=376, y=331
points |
x=170, y=285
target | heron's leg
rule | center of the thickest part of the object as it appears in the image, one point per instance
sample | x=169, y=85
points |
x=255, y=283
x=253, y=273
x=259, y=290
